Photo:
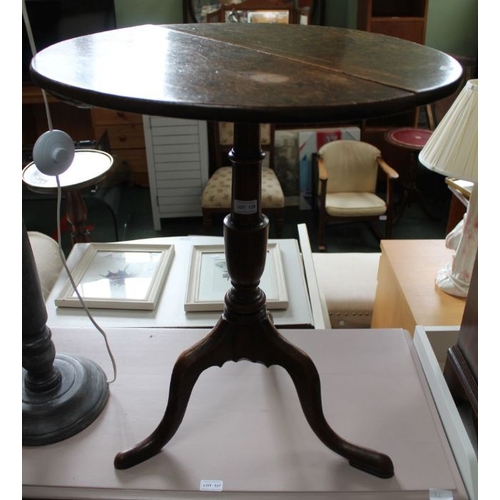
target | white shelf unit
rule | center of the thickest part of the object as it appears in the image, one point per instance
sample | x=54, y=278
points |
x=177, y=155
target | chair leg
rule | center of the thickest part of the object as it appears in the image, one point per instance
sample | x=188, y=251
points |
x=388, y=226
x=389, y=221
x=279, y=221
x=207, y=221
x=372, y=226
x=321, y=233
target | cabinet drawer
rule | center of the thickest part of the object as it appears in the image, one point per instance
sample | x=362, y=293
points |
x=137, y=166
x=140, y=179
x=103, y=116
x=122, y=136
x=136, y=159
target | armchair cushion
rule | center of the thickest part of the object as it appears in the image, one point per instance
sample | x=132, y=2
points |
x=354, y=205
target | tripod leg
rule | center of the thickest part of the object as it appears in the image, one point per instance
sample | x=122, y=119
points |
x=424, y=205
x=213, y=350
x=306, y=379
x=405, y=201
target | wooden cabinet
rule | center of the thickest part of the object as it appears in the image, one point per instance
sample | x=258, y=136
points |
x=406, y=19
x=126, y=140
x=403, y=19
x=406, y=295
x=75, y=121
x=461, y=369
x=125, y=130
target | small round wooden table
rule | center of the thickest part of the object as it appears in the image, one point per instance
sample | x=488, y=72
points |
x=247, y=74
x=412, y=139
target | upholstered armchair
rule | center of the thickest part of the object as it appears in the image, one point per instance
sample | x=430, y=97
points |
x=216, y=196
x=347, y=173
x=47, y=260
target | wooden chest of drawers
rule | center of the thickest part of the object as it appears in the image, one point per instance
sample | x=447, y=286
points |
x=126, y=139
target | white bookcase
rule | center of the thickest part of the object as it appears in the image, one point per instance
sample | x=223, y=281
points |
x=177, y=155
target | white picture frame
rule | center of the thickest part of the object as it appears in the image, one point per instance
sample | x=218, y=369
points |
x=208, y=280
x=115, y=276
x=278, y=16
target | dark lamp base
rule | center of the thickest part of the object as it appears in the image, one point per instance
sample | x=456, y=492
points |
x=55, y=415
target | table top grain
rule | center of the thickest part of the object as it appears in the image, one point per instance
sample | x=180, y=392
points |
x=246, y=72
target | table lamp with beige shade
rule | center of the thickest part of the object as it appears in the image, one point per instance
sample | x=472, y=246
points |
x=452, y=150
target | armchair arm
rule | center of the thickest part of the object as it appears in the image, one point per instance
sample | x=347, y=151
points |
x=388, y=170
x=391, y=175
x=320, y=178
x=323, y=172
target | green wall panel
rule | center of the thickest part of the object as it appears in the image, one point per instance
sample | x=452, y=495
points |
x=133, y=12
x=452, y=25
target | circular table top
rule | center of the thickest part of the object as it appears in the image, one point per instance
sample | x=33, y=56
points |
x=88, y=168
x=408, y=137
x=247, y=72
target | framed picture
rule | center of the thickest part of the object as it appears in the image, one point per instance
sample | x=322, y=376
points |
x=208, y=279
x=114, y=276
x=269, y=16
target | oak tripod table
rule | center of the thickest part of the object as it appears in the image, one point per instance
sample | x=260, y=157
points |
x=247, y=74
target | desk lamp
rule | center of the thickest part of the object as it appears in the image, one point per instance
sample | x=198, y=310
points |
x=452, y=151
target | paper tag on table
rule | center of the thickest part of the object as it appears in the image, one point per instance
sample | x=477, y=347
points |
x=435, y=494
x=211, y=485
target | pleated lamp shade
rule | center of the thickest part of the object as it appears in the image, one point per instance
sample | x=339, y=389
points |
x=452, y=149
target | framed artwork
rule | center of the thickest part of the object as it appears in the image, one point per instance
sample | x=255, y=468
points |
x=268, y=16
x=114, y=276
x=208, y=279
x=302, y=11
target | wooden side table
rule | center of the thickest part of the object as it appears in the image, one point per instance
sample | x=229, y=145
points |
x=411, y=139
x=247, y=74
x=406, y=295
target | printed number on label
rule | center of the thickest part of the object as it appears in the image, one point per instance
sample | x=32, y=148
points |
x=245, y=207
x=210, y=485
